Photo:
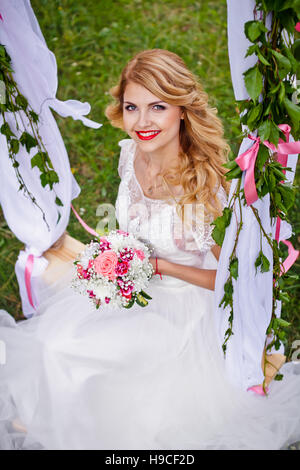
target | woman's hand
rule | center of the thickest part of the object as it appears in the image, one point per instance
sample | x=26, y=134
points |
x=197, y=276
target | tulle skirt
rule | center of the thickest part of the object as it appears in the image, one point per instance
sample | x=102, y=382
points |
x=140, y=378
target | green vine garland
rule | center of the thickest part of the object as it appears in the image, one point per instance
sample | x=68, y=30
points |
x=13, y=101
x=271, y=88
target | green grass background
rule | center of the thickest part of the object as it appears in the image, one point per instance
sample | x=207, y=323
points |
x=92, y=41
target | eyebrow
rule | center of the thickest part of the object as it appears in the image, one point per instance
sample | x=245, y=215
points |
x=149, y=104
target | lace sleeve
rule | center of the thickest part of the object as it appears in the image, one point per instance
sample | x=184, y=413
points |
x=123, y=156
x=203, y=230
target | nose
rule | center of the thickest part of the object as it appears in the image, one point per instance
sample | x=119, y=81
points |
x=143, y=119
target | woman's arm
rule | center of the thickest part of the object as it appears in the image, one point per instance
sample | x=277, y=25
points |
x=200, y=277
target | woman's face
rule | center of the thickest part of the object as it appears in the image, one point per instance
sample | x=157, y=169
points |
x=151, y=122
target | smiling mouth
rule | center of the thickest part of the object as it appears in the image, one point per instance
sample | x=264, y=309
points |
x=147, y=135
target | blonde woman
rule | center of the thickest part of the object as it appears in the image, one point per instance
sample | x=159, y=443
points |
x=150, y=378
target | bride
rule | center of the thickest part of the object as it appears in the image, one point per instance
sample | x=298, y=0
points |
x=153, y=377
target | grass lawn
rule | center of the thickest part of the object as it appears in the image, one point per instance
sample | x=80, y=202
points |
x=92, y=41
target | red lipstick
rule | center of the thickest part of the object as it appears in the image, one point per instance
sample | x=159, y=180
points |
x=147, y=135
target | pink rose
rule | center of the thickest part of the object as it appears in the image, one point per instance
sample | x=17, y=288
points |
x=105, y=264
x=297, y=27
x=140, y=254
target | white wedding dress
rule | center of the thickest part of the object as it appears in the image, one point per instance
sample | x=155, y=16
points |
x=142, y=378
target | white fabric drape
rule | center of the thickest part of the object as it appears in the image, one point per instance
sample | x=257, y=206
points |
x=252, y=292
x=35, y=72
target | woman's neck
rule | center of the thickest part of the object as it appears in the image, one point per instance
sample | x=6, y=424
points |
x=162, y=158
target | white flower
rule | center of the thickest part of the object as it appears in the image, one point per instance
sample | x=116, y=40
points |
x=102, y=291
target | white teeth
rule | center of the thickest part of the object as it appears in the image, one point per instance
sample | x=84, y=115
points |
x=147, y=134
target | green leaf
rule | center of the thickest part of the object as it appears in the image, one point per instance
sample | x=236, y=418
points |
x=262, y=262
x=265, y=265
x=262, y=156
x=281, y=94
x=130, y=303
x=284, y=65
x=147, y=296
x=58, y=201
x=233, y=268
x=283, y=323
x=254, y=115
x=253, y=30
x=264, y=130
x=278, y=377
x=293, y=112
x=253, y=82
x=28, y=140
x=218, y=235
x=274, y=134
x=252, y=50
x=37, y=160
x=14, y=146
x=262, y=58
x=140, y=300
x=22, y=102
x=5, y=130
x=230, y=165
x=235, y=173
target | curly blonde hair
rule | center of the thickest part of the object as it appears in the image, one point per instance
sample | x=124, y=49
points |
x=203, y=147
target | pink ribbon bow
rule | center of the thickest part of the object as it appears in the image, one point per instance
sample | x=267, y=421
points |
x=246, y=161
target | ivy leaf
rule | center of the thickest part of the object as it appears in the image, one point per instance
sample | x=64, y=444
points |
x=22, y=102
x=265, y=266
x=27, y=140
x=262, y=262
x=5, y=130
x=37, y=160
x=221, y=223
x=34, y=116
x=253, y=82
x=58, y=201
x=14, y=146
x=233, y=268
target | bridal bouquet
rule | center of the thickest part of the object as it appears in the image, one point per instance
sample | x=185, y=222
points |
x=114, y=270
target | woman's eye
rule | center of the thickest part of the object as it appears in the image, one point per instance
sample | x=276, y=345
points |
x=130, y=107
x=159, y=107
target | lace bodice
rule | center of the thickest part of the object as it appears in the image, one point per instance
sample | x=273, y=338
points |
x=156, y=221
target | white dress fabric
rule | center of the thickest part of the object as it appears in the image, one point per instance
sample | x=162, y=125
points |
x=142, y=378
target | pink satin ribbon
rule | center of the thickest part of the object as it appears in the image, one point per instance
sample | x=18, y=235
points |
x=28, y=271
x=87, y=228
x=258, y=389
x=246, y=161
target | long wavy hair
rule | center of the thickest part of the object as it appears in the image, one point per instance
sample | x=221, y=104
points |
x=203, y=148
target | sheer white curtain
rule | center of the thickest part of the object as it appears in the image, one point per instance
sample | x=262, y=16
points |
x=252, y=292
x=35, y=72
